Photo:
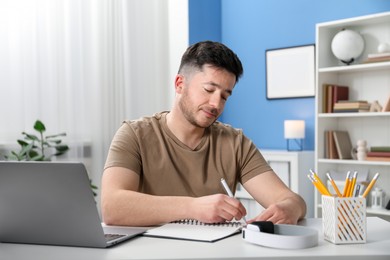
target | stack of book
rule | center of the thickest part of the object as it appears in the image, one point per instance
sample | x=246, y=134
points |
x=346, y=106
x=337, y=145
x=378, y=57
x=330, y=146
x=378, y=153
x=331, y=94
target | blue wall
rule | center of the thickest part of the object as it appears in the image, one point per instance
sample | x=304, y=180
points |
x=250, y=27
x=205, y=20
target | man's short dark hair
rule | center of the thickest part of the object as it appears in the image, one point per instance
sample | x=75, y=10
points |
x=212, y=53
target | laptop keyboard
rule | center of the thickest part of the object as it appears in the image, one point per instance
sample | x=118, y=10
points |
x=110, y=237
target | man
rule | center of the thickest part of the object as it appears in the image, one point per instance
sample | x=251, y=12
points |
x=169, y=166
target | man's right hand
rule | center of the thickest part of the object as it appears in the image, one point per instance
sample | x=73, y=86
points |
x=217, y=208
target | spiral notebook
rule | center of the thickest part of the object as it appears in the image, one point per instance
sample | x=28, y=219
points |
x=195, y=230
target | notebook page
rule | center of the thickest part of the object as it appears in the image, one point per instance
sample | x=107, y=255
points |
x=195, y=230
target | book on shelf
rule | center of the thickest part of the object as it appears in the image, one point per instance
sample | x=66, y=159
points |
x=352, y=101
x=377, y=57
x=326, y=145
x=353, y=110
x=351, y=106
x=329, y=100
x=331, y=94
x=362, y=104
x=378, y=154
x=340, y=93
x=324, y=98
x=343, y=144
x=374, y=158
x=380, y=149
x=330, y=146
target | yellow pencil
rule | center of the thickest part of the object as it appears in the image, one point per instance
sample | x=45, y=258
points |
x=320, y=183
x=369, y=187
x=346, y=186
x=349, y=186
x=352, y=186
x=334, y=185
x=316, y=184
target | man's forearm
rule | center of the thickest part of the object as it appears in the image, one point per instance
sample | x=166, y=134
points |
x=129, y=208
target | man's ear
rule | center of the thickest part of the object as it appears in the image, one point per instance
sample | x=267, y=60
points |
x=179, y=83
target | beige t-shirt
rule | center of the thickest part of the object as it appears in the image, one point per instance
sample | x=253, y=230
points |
x=167, y=167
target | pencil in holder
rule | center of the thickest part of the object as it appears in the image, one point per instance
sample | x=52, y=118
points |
x=344, y=219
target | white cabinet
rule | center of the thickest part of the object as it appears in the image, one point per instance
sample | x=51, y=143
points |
x=292, y=168
x=366, y=81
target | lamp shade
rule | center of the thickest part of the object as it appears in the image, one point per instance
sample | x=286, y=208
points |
x=294, y=129
x=347, y=45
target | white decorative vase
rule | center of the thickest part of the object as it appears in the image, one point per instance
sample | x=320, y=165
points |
x=383, y=47
x=361, y=150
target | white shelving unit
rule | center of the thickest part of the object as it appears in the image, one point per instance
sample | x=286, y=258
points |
x=292, y=167
x=366, y=81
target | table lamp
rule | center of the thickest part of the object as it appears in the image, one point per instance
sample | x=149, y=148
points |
x=294, y=130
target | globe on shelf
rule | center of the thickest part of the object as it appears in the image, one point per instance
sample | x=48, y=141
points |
x=347, y=46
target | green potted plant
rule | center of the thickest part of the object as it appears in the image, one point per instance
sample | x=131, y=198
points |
x=36, y=147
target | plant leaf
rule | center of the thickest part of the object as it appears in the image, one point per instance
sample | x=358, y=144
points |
x=56, y=135
x=57, y=154
x=30, y=136
x=26, y=149
x=33, y=153
x=62, y=148
x=22, y=142
x=39, y=126
x=55, y=141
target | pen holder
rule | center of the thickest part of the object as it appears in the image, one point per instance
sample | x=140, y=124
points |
x=344, y=219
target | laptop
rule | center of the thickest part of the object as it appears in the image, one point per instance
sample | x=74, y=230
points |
x=52, y=203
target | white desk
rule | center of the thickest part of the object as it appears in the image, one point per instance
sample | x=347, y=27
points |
x=377, y=247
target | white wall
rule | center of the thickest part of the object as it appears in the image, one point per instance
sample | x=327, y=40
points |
x=82, y=67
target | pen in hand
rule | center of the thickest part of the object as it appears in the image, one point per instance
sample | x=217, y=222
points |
x=229, y=192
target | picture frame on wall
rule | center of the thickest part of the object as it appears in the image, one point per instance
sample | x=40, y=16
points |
x=290, y=72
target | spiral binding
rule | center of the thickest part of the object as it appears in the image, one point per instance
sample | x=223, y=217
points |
x=197, y=222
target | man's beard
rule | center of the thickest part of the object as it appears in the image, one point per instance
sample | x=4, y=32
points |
x=185, y=107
